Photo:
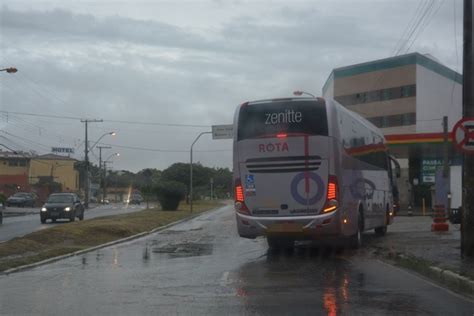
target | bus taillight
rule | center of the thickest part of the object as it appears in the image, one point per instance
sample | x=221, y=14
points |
x=239, y=199
x=332, y=195
x=239, y=193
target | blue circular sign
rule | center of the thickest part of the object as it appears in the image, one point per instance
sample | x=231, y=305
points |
x=319, y=190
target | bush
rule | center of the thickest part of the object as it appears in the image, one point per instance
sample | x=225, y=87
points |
x=170, y=193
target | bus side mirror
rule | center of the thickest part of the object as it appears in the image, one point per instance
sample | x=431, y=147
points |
x=397, y=166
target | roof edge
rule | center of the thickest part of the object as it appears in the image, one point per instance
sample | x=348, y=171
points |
x=393, y=62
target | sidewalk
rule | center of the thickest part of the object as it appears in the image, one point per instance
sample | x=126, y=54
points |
x=410, y=243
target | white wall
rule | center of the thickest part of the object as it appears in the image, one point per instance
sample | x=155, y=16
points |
x=330, y=90
x=435, y=99
x=456, y=186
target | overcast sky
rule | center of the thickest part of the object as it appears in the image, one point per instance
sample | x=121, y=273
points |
x=185, y=62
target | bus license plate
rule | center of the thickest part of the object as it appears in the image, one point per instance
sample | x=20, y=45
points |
x=285, y=228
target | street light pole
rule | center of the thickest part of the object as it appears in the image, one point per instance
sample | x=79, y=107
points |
x=86, y=161
x=191, y=171
x=100, y=169
x=105, y=174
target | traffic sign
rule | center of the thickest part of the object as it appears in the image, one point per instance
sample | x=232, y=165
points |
x=463, y=135
x=222, y=131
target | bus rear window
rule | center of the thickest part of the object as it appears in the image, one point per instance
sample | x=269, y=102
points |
x=282, y=117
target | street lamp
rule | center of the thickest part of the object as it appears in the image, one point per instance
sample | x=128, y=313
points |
x=300, y=93
x=10, y=70
x=105, y=134
x=112, y=155
x=105, y=173
x=86, y=154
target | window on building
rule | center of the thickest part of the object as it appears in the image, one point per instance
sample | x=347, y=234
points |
x=409, y=119
x=377, y=95
x=394, y=120
x=385, y=95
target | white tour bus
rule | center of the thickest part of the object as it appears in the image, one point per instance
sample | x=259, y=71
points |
x=308, y=168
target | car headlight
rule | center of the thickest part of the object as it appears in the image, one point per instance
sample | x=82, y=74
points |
x=43, y=209
x=67, y=209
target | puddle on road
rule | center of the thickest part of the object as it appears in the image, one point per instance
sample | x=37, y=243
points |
x=185, y=249
x=172, y=232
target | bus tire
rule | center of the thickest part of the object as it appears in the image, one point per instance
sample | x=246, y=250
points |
x=280, y=243
x=355, y=241
x=381, y=231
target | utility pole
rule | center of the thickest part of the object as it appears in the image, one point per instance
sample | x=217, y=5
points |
x=102, y=174
x=212, y=188
x=445, y=148
x=105, y=178
x=467, y=226
x=191, y=171
x=86, y=161
x=446, y=174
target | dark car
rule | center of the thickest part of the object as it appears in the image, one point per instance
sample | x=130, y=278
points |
x=22, y=199
x=135, y=199
x=62, y=205
x=455, y=216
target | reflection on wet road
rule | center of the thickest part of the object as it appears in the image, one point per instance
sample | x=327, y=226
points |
x=203, y=267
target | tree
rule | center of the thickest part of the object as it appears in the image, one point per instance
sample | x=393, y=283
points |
x=170, y=193
x=148, y=176
x=147, y=191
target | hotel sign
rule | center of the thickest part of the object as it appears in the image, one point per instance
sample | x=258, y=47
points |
x=62, y=150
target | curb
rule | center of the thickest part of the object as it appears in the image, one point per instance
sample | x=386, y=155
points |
x=448, y=278
x=110, y=243
x=451, y=278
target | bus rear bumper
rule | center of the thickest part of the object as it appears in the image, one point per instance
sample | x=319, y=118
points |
x=297, y=227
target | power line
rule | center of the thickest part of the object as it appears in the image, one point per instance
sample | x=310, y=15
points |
x=432, y=12
x=163, y=150
x=105, y=120
x=400, y=42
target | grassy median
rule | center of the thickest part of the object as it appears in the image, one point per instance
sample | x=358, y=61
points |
x=71, y=237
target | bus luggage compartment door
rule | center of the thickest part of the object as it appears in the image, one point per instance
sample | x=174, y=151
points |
x=284, y=186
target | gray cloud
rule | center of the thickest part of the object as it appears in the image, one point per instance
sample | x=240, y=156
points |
x=118, y=67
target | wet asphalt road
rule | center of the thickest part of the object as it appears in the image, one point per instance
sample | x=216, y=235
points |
x=203, y=267
x=18, y=226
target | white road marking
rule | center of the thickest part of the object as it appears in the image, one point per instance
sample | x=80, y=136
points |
x=224, y=281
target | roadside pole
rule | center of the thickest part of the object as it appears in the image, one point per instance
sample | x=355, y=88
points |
x=467, y=226
x=212, y=188
x=191, y=170
x=86, y=161
x=218, y=132
x=101, y=174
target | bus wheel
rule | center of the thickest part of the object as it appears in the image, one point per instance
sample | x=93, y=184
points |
x=355, y=241
x=280, y=243
x=380, y=231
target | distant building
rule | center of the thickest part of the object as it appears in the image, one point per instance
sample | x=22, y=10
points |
x=14, y=170
x=58, y=168
x=406, y=97
x=21, y=171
